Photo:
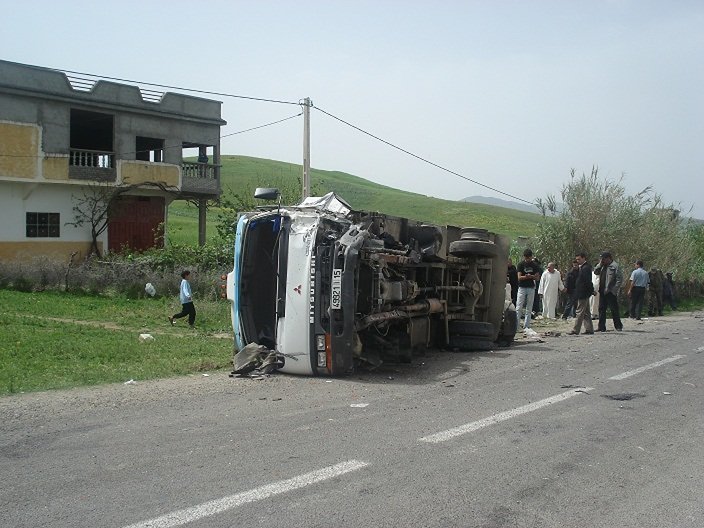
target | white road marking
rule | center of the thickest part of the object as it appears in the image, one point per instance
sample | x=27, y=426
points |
x=633, y=372
x=500, y=417
x=213, y=507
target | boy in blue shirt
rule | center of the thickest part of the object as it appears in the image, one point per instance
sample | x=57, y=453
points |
x=186, y=298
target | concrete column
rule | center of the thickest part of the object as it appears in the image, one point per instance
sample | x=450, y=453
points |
x=201, y=221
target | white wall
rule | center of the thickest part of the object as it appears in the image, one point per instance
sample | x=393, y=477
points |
x=17, y=199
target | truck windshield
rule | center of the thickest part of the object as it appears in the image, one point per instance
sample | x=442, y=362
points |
x=263, y=277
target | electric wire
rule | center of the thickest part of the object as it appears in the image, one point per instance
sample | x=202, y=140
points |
x=177, y=146
x=207, y=92
x=419, y=157
x=83, y=79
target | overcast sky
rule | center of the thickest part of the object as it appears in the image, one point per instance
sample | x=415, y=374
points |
x=511, y=94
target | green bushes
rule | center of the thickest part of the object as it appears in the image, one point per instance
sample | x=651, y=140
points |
x=598, y=215
x=124, y=274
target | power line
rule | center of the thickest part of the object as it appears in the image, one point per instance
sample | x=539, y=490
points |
x=177, y=146
x=420, y=157
x=262, y=126
x=222, y=94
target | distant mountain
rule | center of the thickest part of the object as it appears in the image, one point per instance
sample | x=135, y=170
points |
x=498, y=202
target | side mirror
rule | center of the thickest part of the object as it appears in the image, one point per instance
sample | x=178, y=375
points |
x=266, y=193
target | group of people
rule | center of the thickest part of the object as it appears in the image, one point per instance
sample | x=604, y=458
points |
x=588, y=291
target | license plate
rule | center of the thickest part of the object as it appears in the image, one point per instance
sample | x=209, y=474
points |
x=336, y=290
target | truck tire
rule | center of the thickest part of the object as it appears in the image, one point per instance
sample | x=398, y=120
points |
x=473, y=248
x=474, y=233
x=471, y=328
x=470, y=344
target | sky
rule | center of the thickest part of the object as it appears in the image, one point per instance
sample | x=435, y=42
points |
x=510, y=95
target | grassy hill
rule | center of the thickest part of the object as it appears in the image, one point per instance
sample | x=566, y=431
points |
x=242, y=174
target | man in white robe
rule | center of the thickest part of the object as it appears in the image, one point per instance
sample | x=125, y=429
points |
x=594, y=300
x=550, y=287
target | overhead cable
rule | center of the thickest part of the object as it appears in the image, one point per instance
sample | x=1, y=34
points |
x=419, y=157
x=178, y=146
x=222, y=94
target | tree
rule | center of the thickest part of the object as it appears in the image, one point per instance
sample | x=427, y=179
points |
x=599, y=215
x=232, y=203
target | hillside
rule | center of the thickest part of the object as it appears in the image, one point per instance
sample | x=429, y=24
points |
x=242, y=174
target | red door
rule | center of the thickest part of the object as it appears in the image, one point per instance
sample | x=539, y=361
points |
x=136, y=223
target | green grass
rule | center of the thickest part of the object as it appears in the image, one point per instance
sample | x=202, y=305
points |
x=56, y=340
x=244, y=173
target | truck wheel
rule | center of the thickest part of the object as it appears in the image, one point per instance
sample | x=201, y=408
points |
x=474, y=233
x=470, y=344
x=471, y=328
x=473, y=248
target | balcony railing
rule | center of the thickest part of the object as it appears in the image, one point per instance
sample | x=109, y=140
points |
x=200, y=178
x=91, y=165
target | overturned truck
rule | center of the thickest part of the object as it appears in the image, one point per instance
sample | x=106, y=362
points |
x=330, y=289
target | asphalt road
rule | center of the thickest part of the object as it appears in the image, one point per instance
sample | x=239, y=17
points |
x=588, y=431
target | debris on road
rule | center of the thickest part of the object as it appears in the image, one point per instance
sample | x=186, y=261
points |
x=255, y=357
x=130, y=382
x=624, y=396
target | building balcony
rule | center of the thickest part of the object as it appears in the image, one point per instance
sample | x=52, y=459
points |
x=200, y=179
x=93, y=165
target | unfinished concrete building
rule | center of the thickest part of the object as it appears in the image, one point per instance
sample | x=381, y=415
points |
x=63, y=138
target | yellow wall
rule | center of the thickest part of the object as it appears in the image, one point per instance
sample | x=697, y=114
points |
x=19, y=150
x=55, y=168
x=136, y=172
x=24, y=251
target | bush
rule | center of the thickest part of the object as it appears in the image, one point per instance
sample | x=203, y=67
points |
x=125, y=274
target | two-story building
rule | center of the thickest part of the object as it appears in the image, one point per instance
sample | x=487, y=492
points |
x=63, y=139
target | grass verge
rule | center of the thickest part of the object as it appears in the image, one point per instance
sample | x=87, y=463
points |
x=55, y=340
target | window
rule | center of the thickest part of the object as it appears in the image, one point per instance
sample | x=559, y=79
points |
x=92, y=139
x=150, y=149
x=43, y=225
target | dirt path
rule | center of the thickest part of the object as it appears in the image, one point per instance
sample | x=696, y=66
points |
x=113, y=326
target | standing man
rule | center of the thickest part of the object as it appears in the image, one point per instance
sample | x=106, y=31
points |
x=584, y=289
x=570, y=286
x=512, y=277
x=610, y=280
x=637, y=284
x=654, y=292
x=186, y=298
x=528, y=275
x=668, y=291
x=550, y=288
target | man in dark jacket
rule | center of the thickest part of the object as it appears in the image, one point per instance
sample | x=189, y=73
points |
x=570, y=287
x=512, y=277
x=668, y=291
x=610, y=280
x=584, y=289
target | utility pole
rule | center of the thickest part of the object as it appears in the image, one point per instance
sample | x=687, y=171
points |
x=307, y=103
